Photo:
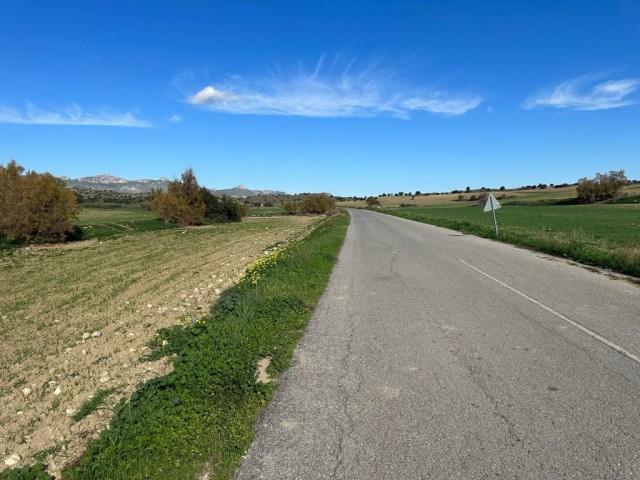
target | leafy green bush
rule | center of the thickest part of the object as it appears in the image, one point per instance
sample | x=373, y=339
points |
x=222, y=209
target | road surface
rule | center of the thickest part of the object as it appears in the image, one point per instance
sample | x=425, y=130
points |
x=435, y=354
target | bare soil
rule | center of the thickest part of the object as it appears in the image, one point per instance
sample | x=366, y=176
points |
x=124, y=290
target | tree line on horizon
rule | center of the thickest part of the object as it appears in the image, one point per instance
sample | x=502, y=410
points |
x=603, y=187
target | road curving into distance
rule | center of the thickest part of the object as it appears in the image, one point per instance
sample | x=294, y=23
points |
x=435, y=354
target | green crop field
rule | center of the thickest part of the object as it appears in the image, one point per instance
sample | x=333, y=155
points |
x=106, y=222
x=601, y=235
x=265, y=211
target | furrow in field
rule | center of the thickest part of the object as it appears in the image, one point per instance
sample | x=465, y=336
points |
x=125, y=288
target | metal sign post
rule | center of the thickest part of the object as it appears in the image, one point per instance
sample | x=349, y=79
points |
x=493, y=204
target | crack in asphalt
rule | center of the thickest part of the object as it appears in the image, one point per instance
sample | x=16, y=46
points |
x=475, y=378
x=345, y=433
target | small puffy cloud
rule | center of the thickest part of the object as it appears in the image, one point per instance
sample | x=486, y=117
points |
x=583, y=93
x=73, y=115
x=350, y=92
x=175, y=118
x=210, y=96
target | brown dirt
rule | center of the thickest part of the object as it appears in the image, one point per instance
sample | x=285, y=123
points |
x=126, y=289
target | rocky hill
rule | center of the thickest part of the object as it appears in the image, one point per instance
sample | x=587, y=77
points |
x=120, y=185
x=116, y=184
x=241, y=191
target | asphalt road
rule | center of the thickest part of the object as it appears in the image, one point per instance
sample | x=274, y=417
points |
x=435, y=354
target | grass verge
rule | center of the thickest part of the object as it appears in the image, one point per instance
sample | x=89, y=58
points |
x=199, y=418
x=604, y=236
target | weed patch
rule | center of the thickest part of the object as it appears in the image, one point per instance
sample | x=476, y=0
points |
x=93, y=404
x=35, y=472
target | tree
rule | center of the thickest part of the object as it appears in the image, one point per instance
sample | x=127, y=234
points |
x=290, y=208
x=35, y=207
x=317, y=203
x=371, y=201
x=222, y=209
x=182, y=203
x=468, y=189
x=604, y=186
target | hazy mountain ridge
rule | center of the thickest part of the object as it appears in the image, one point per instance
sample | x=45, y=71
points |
x=144, y=185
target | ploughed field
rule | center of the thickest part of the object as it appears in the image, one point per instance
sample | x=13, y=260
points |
x=75, y=319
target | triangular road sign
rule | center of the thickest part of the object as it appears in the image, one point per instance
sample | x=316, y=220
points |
x=492, y=203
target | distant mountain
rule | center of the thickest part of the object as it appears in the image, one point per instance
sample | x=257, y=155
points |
x=241, y=192
x=109, y=182
x=116, y=184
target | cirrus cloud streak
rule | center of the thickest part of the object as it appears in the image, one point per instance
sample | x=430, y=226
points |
x=364, y=93
x=73, y=115
x=583, y=93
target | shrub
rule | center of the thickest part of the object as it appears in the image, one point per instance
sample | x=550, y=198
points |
x=317, y=203
x=35, y=207
x=604, y=186
x=371, y=201
x=182, y=203
x=290, y=208
x=222, y=209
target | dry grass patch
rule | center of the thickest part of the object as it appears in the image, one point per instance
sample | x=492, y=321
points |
x=74, y=320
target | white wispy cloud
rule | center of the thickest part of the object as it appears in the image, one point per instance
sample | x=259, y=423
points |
x=587, y=93
x=73, y=115
x=352, y=91
x=175, y=118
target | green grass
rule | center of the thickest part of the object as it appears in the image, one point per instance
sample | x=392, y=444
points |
x=201, y=416
x=29, y=472
x=101, y=223
x=93, y=404
x=605, y=236
x=105, y=222
x=265, y=211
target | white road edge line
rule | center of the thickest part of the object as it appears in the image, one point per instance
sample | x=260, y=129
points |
x=582, y=328
x=414, y=235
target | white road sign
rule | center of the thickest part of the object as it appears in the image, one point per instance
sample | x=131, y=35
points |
x=492, y=203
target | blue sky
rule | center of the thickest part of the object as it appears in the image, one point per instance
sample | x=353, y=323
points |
x=349, y=97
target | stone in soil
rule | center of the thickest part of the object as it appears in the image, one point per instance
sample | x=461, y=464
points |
x=12, y=459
